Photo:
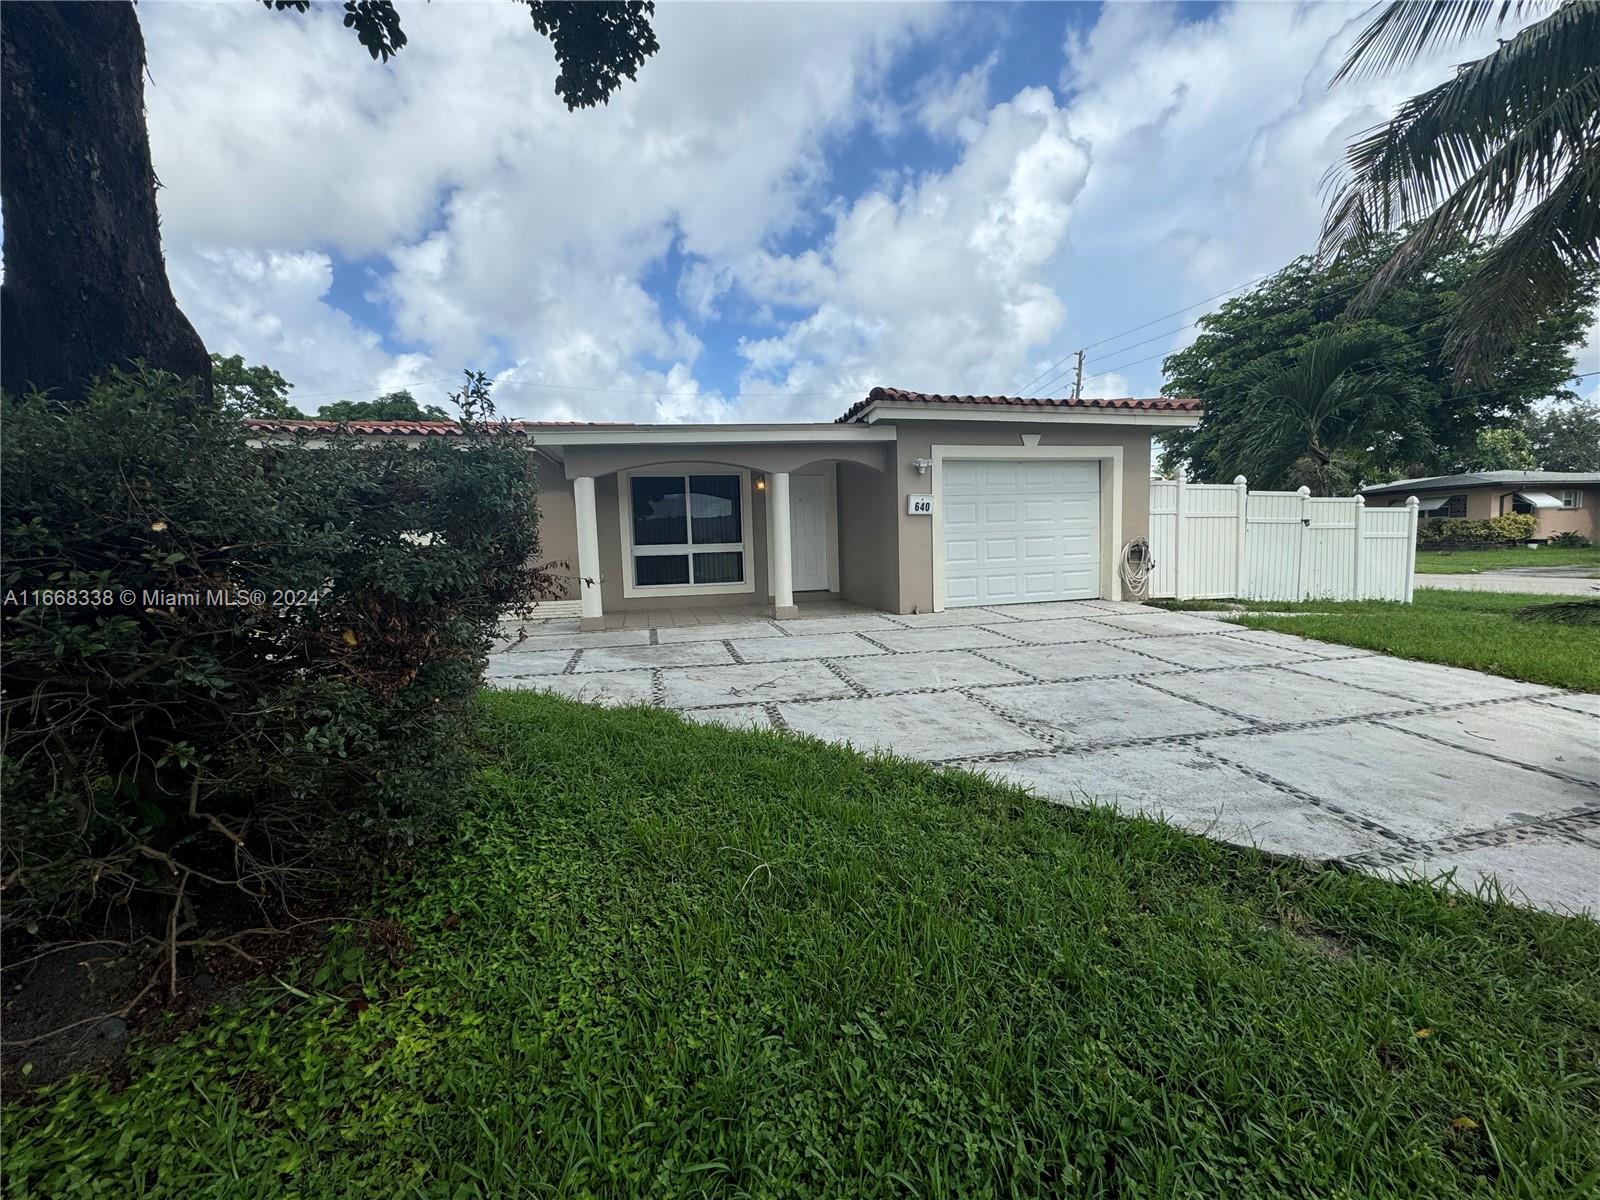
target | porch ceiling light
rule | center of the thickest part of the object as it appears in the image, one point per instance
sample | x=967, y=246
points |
x=761, y=483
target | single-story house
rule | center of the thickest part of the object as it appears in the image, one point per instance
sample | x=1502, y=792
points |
x=909, y=502
x=1560, y=501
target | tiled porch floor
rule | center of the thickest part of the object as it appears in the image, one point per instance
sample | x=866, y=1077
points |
x=680, y=618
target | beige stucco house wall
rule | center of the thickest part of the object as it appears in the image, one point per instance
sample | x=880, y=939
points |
x=1583, y=520
x=869, y=551
x=887, y=557
x=1494, y=493
x=851, y=482
x=558, y=528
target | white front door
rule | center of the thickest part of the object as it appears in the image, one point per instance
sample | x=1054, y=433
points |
x=1017, y=530
x=808, y=532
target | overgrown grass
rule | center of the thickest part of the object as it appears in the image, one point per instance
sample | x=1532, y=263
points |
x=666, y=960
x=1464, y=562
x=1460, y=629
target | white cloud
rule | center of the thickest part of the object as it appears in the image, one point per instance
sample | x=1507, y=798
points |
x=937, y=286
x=1109, y=386
x=271, y=307
x=956, y=106
x=512, y=228
x=1177, y=158
x=1209, y=141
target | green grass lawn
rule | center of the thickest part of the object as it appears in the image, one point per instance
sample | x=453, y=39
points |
x=1464, y=562
x=664, y=960
x=1460, y=629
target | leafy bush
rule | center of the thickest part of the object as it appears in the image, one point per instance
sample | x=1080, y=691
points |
x=1568, y=540
x=1508, y=527
x=225, y=661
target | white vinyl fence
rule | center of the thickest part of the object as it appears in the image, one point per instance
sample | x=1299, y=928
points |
x=1219, y=540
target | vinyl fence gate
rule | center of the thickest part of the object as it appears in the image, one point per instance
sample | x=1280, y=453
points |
x=1221, y=541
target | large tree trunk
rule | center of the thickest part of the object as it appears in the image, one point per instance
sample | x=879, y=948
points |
x=85, y=284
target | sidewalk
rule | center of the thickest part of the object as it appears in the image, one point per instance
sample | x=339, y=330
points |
x=1540, y=582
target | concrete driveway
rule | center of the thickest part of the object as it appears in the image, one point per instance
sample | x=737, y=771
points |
x=1299, y=747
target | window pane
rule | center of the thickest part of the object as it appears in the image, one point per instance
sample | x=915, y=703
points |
x=660, y=570
x=658, y=510
x=714, y=509
x=726, y=567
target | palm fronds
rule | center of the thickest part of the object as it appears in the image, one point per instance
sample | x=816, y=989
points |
x=1563, y=612
x=1403, y=31
x=1510, y=144
x=1304, y=420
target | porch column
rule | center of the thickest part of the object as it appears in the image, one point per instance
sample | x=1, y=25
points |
x=779, y=531
x=588, y=553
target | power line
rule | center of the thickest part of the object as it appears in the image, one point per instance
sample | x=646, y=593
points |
x=1170, y=332
x=1121, y=366
x=1427, y=341
x=1184, y=309
x=1135, y=329
x=1491, y=391
x=1055, y=374
x=1331, y=296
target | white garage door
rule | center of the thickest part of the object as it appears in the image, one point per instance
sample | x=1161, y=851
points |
x=1020, y=530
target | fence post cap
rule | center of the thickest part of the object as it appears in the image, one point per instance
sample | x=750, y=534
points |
x=1412, y=502
x=1239, y=481
x=1361, y=500
x=1303, y=490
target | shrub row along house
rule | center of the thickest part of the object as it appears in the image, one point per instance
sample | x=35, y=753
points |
x=909, y=502
x=1559, y=501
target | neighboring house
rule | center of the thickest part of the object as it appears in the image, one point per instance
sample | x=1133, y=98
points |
x=909, y=502
x=1560, y=501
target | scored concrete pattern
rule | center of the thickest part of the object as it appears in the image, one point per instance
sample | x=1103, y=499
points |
x=1260, y=738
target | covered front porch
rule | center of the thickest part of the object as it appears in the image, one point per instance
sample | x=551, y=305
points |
x=669, y=528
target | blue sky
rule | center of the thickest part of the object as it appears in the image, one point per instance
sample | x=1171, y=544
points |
x=793, y=203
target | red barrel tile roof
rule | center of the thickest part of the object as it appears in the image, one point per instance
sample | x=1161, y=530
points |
x=1127, y=403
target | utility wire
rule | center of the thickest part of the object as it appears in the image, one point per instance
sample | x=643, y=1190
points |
x=1135, y=329
x=1184, y=309
x=1057, y=374
x=1170, y=332
x=1332, y=295
x=1202, y=317
x=1425, y=342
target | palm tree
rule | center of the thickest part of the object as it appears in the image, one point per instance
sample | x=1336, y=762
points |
x=1312, y=422
x=1510, y=146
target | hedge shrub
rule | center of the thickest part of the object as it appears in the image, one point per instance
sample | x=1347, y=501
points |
x=225, y=664
x=1509, y=527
